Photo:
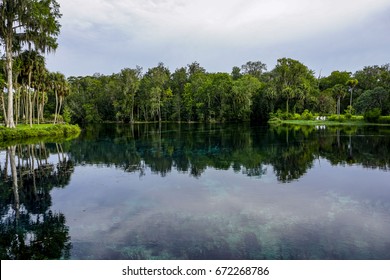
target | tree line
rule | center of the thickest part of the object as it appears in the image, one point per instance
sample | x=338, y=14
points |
x=249, y=92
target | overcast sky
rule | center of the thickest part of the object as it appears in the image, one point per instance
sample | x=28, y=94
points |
x=105, y=36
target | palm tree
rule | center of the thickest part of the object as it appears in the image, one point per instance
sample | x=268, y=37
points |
x=26, y=22
x=351, y=84
x=32, y=65
x=61, y=89
x=339, y=92
x=39, y=77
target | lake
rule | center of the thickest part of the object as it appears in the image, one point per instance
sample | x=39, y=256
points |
x=198, y=191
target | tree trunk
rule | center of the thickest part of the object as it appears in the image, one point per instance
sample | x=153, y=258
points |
x=17, y=97
x=338, y=106
x=60, y=105
x=10, y=112
x=55, y=114
x=3, y=107
x=30, y=105
x=350, y=101
x=43, y=106
x=132, y=109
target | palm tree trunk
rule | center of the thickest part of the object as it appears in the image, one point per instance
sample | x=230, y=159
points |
x=60, y=104
x=56, y=110
x=10, y=112
x=30, y=108
x=338, y=106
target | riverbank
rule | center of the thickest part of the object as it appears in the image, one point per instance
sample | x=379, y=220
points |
x=357, y=121
x=24, y=132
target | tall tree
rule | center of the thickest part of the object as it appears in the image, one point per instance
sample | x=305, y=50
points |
x=351, y=84
x=60, y=87
x=236, y=73
x=154, y=90
x=254, y=68
x=292, y=80
x=31, y=23
x=129, y=84
x=31, y=66
x=339, y=91
x=241, y=96
x=178, y=81
x=335, y=78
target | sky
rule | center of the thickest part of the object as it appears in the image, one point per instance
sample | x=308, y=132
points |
x=105, y=36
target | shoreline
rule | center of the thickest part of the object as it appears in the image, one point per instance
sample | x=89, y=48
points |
x=326, y=123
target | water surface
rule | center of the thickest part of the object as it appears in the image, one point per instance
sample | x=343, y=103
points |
x=199, y=192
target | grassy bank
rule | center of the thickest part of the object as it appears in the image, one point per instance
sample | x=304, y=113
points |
x=23, y=132
x=332, y=120
x=327, y=123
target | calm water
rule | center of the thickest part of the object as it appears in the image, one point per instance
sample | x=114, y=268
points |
x=199, y=192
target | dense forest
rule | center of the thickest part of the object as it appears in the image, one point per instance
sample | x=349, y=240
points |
x=249, y=92
x=191, y=94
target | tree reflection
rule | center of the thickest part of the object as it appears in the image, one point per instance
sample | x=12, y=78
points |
x=192, y=148
x=28, y=228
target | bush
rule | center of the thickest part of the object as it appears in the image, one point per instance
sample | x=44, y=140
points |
x=337, y=118
x=296, y=117
x=282, y=115
x=384, y=119
x=307, y=115
x=373, y=115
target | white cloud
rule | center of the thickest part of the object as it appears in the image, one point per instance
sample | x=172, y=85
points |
x=179, y=28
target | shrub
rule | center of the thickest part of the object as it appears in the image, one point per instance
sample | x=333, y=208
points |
x=307, y=115
x=384, y=119
x=348, y=116
x=296, y=116
x=282, y=115
x=337, y=118
x=373, y=115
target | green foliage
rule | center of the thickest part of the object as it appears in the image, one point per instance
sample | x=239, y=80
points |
x=348, y=115
x=349, y=111
x=193, y=95
x=337, y=118
x=297, y=116
x=378, y=97
x=335, y=78
x=67, y=115
x=384, y=119
x=38, y=131
x=32, y=23
x=292, y=83
x=253, y=68
x=371, y=77
x=307, y=115
x=325, y=103
x=372, y=115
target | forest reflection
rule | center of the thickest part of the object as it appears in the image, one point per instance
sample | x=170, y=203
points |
x=28, y=228
x=191, y=148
